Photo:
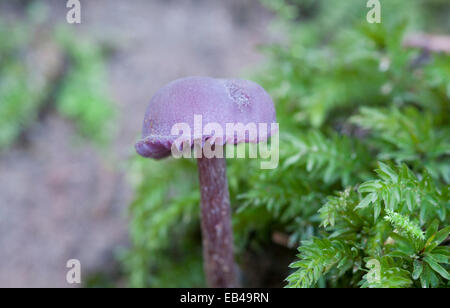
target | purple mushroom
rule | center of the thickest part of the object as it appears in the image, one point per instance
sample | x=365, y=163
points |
x=218, y=102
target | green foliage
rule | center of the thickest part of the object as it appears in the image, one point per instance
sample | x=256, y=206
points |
x=403, y=192
x=83, y=95
x=331, y=158
x=318, y=257
x=349, y=98
x=390, y=275
x=80, y=93
x=20, y=93
x=376, y=222
x=408, y=135
x=360, y=84
x=163, y=214
x=403, y=225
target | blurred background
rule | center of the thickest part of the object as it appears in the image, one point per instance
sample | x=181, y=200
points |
x=71, y=105
x=72, y=98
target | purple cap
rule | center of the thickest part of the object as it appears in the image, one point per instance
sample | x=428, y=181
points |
x=218, y=101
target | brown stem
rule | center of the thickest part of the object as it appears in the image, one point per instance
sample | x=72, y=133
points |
x=217, y=234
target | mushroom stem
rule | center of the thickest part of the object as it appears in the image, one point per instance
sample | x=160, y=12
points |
x=217, y=234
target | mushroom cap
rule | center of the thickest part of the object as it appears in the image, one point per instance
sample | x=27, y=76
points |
x=219, y=101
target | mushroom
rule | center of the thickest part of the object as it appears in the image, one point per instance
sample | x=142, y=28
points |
x=216, y=101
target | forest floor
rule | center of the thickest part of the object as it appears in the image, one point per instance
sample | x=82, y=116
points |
x=62, y=199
